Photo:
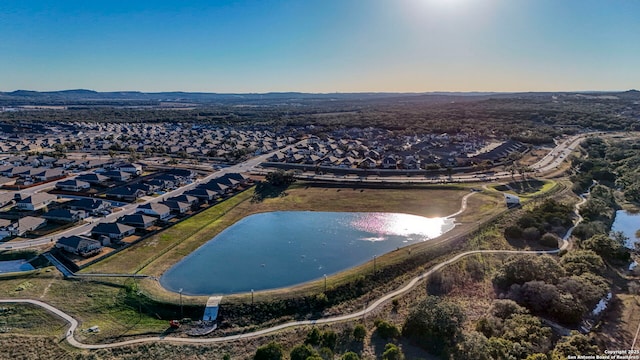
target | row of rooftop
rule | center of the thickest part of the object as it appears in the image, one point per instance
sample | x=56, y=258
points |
x=354, y=147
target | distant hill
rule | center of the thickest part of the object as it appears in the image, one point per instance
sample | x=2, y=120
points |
x=84, y=97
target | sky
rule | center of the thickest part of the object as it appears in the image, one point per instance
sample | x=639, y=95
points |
x=320, y=46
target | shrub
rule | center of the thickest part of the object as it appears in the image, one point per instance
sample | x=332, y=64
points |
x=271, y=351
x=386, y=330
x=531, y=234
x=359, y=332
x=434, y=324
x=314, y=337
x=549, y=240
x=392, y=352
x=302, y=352
x=350, y=355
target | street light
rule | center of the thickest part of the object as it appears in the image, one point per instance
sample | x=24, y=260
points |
x=251, y=297
x=374, y=264
x=181, y=313
x=325, y=283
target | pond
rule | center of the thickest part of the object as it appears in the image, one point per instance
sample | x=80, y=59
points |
x=284, y=248
x=628, y=223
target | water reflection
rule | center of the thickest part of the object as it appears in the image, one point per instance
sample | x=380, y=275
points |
x=400, y=225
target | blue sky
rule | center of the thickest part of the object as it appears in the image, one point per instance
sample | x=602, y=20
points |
x=320, y=45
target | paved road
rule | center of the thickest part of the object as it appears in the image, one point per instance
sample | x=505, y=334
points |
x=356, y=315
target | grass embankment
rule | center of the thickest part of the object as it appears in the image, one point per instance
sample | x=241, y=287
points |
x=110, y=304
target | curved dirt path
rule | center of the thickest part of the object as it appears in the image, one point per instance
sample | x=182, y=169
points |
x=409, y=286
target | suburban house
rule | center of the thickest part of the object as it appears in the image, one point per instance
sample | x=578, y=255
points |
x=64, y=215
x=183, y=173
x=49, y=174
x=22, y=226
x=214, y=185
x=92, y=206
x=191, y=200
x=177, y=206
x=93, y=178
x=202, y=193
x=117, y=175
x=126, y=193
x=79, y=245
x=6, y=198
x=138, y=221
x=135, y=169
x=73, y=185
x=35, y=202
x=161, y=211
x=113, y=230
x=229, y=182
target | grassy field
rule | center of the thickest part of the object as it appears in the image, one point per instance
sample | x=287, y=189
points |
x=106, y=304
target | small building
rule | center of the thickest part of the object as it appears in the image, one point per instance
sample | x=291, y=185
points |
x=73, y=185
x=6, y=198
x=177, y=206
x=36, y=201
x=191, y=200
x=202, y=194
x=117, y=175
x=64, y=215
x=79, y=245
x=49, y=174
x=91, y=206
x=126, y=193
x=93, y=178
x=163, y=212
x=113, y=230
x=22, y=226
x=135, y=169
x=138, y=221
x=511, y=200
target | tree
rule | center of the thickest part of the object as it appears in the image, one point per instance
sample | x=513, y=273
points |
x=434, y=324
x=521, y=269
x=549, y=240
x=329, y=339
x=302, y=352
x=578, y=262
x=474, y=346
x=392, y=352
x=572, y=345
x=359, y=332
x=607, y=247
x=325, y=353
x=314, y=337
x=350, y=355
x=271, y=351
x=386, y=330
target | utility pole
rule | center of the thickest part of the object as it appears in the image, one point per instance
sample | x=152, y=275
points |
x=325, y=283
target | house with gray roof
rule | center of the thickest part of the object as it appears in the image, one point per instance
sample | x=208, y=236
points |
x=36, y=201
x=79, y=245
x=113, y=230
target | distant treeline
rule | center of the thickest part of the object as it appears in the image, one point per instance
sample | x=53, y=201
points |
x=533, y=118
